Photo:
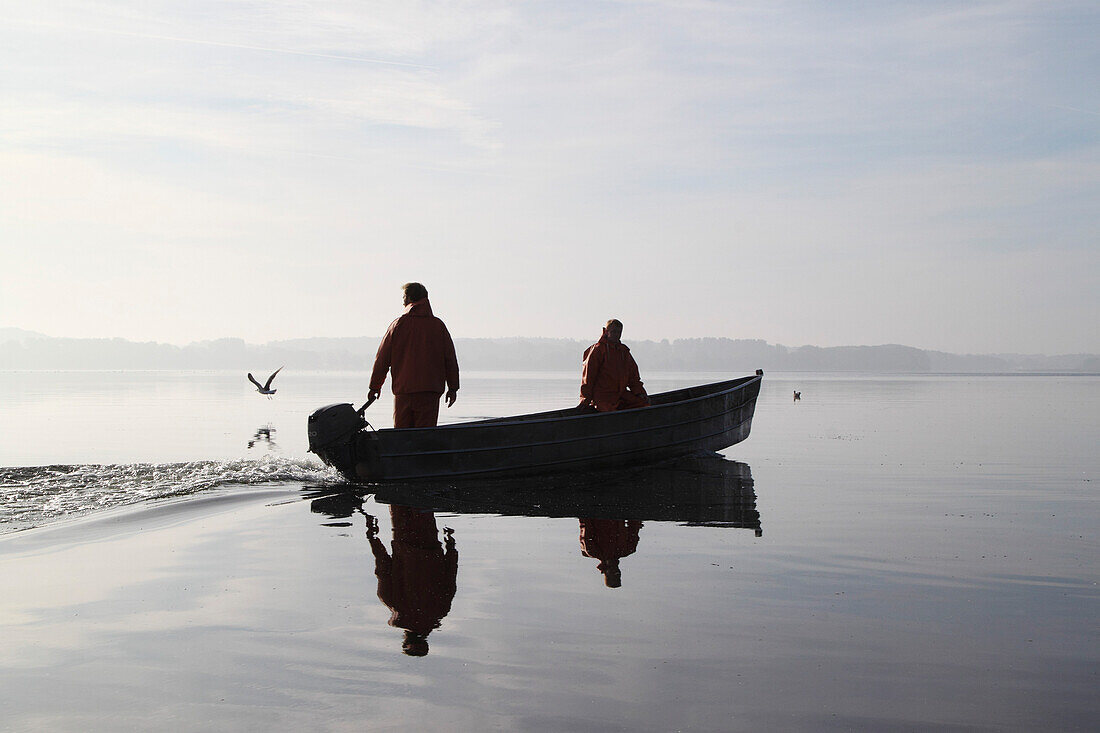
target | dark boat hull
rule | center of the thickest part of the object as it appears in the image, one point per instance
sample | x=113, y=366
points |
x=704, y=418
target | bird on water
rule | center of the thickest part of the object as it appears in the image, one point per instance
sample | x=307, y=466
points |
x=265, y=388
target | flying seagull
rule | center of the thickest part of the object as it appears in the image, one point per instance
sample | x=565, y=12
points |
x=264, y=388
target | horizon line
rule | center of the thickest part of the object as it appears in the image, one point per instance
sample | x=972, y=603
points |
x=39, y=335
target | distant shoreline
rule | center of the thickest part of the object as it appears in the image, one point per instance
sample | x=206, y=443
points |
x=25, y=350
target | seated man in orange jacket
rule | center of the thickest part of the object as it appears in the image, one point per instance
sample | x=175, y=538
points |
x=418, y=349
x=609, y=378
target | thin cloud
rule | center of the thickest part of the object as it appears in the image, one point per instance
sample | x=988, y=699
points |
x=218, y=44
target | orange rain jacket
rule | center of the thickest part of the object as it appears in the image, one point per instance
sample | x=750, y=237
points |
x=610, y=379
x=418, y=350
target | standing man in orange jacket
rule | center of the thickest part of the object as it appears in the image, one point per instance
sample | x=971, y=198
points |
x=418, y=350
x=609, y=378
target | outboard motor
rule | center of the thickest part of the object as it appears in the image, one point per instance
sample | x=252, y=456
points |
x=332, y=432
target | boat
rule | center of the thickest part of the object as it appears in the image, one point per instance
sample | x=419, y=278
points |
x=701, y=490
x=703, y=418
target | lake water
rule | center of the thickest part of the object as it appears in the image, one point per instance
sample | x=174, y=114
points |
x=888, y=553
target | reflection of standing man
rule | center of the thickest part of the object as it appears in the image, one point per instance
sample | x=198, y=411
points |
x=418, y=582
x=609, y=540
x=418, y=349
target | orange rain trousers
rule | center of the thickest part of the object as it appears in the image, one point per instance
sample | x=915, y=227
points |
x=416, y=410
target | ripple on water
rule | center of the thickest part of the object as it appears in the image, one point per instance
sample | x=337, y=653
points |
x=35, y=494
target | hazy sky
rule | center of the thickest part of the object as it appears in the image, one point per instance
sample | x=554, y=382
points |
x=922, y=172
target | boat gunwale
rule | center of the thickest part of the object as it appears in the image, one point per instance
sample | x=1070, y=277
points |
x=492, y=422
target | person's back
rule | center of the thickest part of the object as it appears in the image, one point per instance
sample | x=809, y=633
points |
x=609, y=377
x=418, y=350
x=419, y=353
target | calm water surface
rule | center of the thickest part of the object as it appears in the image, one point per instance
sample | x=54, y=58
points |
x=890, y=552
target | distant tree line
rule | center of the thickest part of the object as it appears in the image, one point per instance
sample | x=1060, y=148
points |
x=20, y=350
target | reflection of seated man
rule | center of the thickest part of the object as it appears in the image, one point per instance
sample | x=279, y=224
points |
x=609, y=540
x=418, y=582
x=609, y=379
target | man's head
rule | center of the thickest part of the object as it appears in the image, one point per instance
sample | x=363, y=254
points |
x=613, y=329
x=414, y=292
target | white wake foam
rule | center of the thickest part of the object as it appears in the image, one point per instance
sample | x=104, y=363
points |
x=32, y=495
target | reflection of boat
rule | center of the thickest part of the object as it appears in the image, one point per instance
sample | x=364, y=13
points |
x=702, y=489
x=677, y=423
x=417, y=578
